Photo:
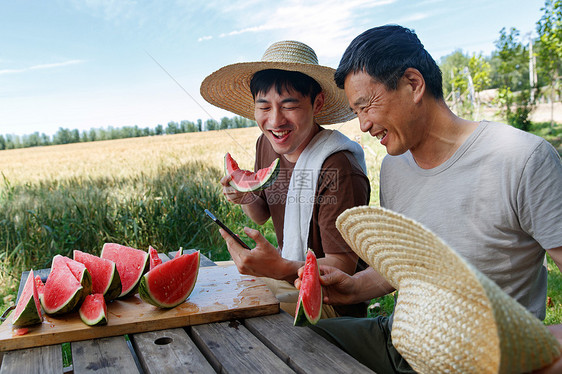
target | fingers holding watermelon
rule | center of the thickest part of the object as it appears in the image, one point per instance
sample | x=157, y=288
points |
x=233, y=195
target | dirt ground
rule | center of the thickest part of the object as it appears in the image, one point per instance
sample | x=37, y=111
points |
x=542, y=113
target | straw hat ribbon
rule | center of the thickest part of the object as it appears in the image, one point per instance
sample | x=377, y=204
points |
x=449, y=317
x=229, y=87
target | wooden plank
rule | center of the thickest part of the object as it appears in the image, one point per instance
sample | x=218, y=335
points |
x=231, y=348
x=33, y=360
x=106, y=355
x=301, y=348
x=220, y=294
x=169, y=351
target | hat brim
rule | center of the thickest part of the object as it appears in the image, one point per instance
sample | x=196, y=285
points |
x=449, y=317
x=229, y=88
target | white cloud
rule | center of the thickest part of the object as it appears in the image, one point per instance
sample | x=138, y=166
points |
x=41, y=67
x=327, y=26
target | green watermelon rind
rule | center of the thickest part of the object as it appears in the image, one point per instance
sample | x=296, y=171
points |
x=100, y=320
x=30, y=314
x=75, y=300
x=266, y=181
x=148, y=297
x=302, y=316
x=113, y=290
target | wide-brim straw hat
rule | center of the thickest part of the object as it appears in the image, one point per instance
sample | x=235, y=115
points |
x=229, y=87
x=449, y=317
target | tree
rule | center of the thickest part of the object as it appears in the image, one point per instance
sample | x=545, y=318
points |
x=549, y=28
x=211, y=125
x=511, y=58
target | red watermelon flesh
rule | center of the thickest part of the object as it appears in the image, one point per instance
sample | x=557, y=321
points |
x=105, y=277
x=93, y=310
x=155, y=260
x=309, y=303
x=169, y=284
x=28, y=309
x=63, y=292
x=131, y=264
x=39, y=285
x=245, y=180
x=79, y=270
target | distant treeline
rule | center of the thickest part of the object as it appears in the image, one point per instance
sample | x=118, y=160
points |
x=67, y=136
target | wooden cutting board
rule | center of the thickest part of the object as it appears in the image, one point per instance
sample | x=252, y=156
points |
x=220, y=294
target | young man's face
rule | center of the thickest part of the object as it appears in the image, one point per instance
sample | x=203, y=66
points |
x=287, y=120
x=386, y=114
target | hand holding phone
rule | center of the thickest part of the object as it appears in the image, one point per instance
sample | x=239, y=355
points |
x=225, y=228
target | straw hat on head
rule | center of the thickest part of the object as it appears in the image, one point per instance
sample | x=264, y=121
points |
x=449, y=317
x=229, y=87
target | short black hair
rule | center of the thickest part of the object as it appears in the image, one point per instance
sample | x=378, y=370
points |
x=385, y=52
x=263, y=80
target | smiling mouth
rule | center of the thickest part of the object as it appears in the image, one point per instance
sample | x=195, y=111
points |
x=280, y=134
x=381, y=134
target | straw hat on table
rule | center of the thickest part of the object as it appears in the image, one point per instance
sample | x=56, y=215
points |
x=229, y=87
x=449, y=317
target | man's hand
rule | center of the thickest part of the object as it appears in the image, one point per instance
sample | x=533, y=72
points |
x=233, y=195
x=264, y=260
x=340, y=288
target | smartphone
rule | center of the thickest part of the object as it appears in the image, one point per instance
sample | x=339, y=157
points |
x=223, y=226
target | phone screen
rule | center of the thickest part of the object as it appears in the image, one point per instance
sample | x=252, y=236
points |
x=223, y=226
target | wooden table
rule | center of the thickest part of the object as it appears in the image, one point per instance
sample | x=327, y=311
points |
x=267, y=344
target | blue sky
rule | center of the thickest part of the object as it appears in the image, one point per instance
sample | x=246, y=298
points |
x=84, y=64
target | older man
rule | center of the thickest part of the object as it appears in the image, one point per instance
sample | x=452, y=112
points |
x=492, y=192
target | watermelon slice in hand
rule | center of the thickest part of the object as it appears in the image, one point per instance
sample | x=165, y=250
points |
x=309, y=303
x=28, y=309
x=170, y=284
x=131, y=264
x=245, y=180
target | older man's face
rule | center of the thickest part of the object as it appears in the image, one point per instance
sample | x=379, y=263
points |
x=385, y=114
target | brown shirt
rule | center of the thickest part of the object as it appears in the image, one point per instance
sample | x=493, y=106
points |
x=341, y=185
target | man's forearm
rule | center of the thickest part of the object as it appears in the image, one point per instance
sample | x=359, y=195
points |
x=370, y=284
x=257, y=210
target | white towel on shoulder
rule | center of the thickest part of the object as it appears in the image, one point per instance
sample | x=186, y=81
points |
x=302, y=188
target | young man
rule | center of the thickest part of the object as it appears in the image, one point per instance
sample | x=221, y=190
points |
x=322, y=172
x=488, y=190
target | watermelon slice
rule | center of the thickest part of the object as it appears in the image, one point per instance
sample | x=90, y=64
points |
x=155, y=260
x=80, y=272
x=63, y=292
x=170, y=284
x=105, y=277
x=131, y=264
x=245, y=180
x=40, y=286
x=309, y=303
x=93, y=311
x=28, y=309
x=179, y=252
